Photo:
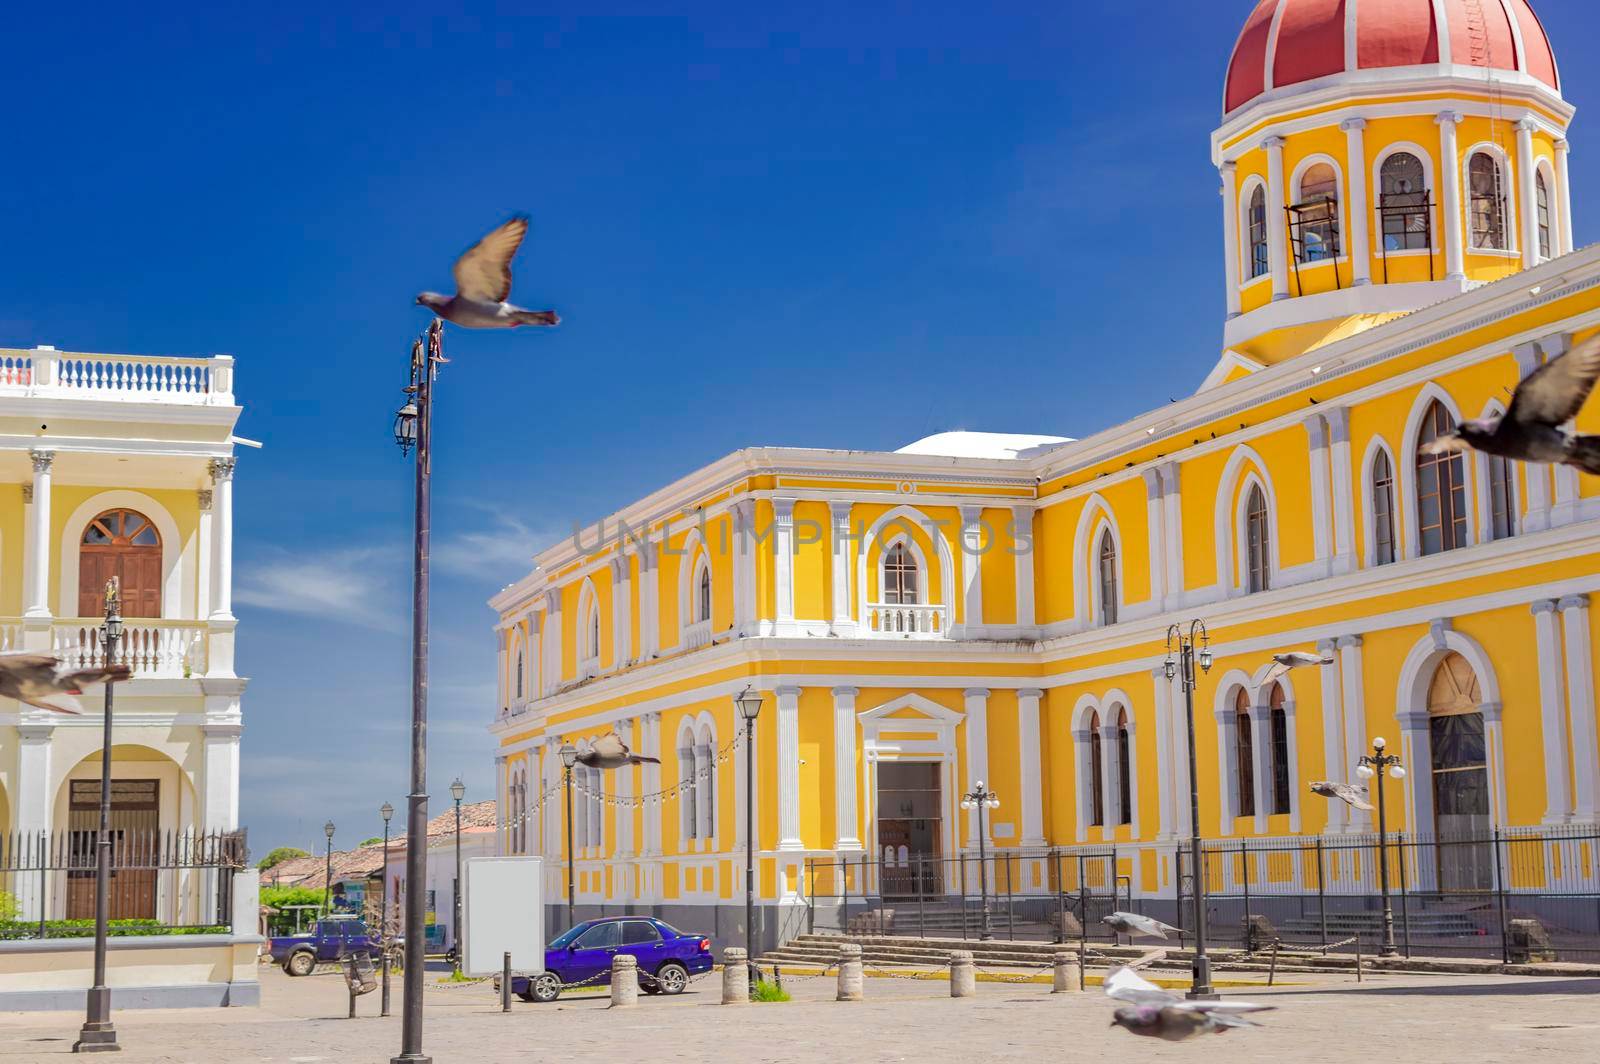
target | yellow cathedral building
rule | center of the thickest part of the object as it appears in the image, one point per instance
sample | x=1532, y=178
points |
x=1397, y=238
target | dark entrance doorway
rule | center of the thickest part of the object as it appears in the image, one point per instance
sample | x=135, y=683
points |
x=909, y=804
x=135, y=841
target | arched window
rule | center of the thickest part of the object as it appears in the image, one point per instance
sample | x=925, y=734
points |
x=1316, y=215
x=1460, y=774
x=124, y=544
x=703, y=595
x=1502, y=503
x=1097, y=803
x=1383, y=537
x=1256, y=544
x=519, y=670
x=705, y=783
x=1278, y=720
x=1108, y=578
x=1441, y=487
x=1124, y=764
x=1244, y=755
x=1541, y=200
x=1260, y=260
x=1486, y=202
x=688, y=792
x=1403, y=204
x=900, y=586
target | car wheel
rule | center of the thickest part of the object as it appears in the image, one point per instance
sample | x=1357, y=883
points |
x=300, y=964
x=671, y=978
x=648, y=984
x=546, y=987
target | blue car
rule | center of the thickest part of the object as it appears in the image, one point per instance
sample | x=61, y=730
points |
x=581, y=955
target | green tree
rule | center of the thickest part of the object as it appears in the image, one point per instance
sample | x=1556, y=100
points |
x=279, y=855
x=376, y=840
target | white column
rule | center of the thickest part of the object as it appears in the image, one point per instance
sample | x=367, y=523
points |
x=1110, y=780
x=977, y=703
x=1552, y=714
x=1416, y=747
x=843, y=621
x=650, y=746
x=624, y=790
x=1526, y=208
x=1455, y=263
x=1334, y=766
x=552, y=640
x=971, y=540
x=1321, y=515
x=37, y=591
x=783, y=563
x=744, y=567
x=1172, y=523
x=1494, y=744
x=222, y=539
x=220, y=777
x=1167, y=772
x=1536, y=515
x=1230, y=235
x=1156, y=531
x=846, y=812
x=649, y=599
x=1563, y=194
x=1355, y=714
x=203, y=553
x=1565, y=509
x=1022, y=525
x=1360, y=216
x=1277, y=227
x=789, y=769
x=1261, y=763
x=1083, y=778
x=621, y=610
x=1580, y=708
x=1031, y=769
x=1229, y=798
x=1343, y=488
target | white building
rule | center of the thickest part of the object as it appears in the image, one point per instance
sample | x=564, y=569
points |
x=480, y=837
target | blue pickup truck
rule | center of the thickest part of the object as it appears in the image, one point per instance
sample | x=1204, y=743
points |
x=329, y=940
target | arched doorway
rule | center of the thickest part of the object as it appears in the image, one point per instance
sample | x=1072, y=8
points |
x=124, y=544
x=1460, y=776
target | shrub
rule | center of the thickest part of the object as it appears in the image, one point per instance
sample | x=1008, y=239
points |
x=114, y=929
x=765, y=991
x=8, y=906
x=279, y=855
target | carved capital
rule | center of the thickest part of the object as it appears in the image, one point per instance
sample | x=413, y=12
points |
x=1273, y=144
x=1447, y=118
x=42, y=460
x=1543, y=606
x=204, y=495
x=221, y=469
x=27, y=494
x=1574, y=602
x=1353, y=125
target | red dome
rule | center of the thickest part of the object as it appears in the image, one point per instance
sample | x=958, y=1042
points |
x=1286, y=42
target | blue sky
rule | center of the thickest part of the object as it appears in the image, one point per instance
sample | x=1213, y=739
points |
x=850, y=226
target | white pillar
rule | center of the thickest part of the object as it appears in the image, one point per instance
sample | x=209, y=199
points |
x=1277, y=228
x=846, y=811
x=1031, y=770
x=789, y=769
x=203, y=552
x=222, y=539
x=1565, y=510
x=1334, y=766
x=37, y=592
x=552, y=640
x=1360, y=216
x=1343, y=488
x=1580, y=707
x=1416, y=748
x=1563, y=194
x=1321, y=515
x=1355, y=714
x=1167, y=771
x=977, y=703
x=843, y=622
x=1156, y=531
x=650, y=746
x=744, y=567
x=1230, y=797
x=783, y=563
x=972, y=541
x=1552, y=714
x=1022, y=529
x=624, y=790
x=621, y=610
x=1455, y=263
x=1526, y=207
x=1536, y=515
x=1110, y=781
x=220, y=777
x=1230, y=235
x=32, y=805
x=1172, y=523
x=1261, y=762
x=649, y=599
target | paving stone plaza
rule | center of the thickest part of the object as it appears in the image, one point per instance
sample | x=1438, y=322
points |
x=1419, y=1019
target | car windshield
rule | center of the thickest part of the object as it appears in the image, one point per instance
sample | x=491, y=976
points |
x=564, y=939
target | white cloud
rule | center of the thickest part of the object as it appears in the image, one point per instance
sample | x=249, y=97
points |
x=357, y=585
x=502, y=552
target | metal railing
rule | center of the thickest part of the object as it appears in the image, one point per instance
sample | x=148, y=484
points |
x=44, y=371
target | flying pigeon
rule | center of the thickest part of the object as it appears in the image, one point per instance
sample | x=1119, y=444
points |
x=39, y=680
x=609, y=751
x=1530, y=430
x=1295, y=659
x=1135, y=924
x=1346, y=792
x=1155, y=1013
x=483, y=280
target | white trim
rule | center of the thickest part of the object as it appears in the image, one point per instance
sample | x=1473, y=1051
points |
x=1225, y=715
x=176, y=603
x=588, y=654
x=1441, y=28
x=1406, y=472
x=1340, y=208
x=1518, y=48
x=1232, y=497
x=1247, y=256
x=1544, y=167
x=1270, y=57
x=921, y=521
x=1086, y=606
x=1411, y=700
x=1375, y=209
x=1115, y=699
x=1481, y=484
x=1508, y=197
x=1369, y=541
x=1229, y=361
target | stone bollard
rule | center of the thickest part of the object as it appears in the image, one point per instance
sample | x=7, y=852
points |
x=624, y=980
x=735, y=977
x=963, y=974
x=1066, y=981
x=851, y=979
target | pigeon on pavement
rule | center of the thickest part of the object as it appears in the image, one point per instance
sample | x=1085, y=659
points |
x=1135, y=924
x=1295, y=659
x=1530, y=430
x=1157, y=1013
x=1347, y=793
x=39, y=680
x=609, y=751
x=483, y=281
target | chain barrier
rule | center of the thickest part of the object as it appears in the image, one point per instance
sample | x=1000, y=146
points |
x=1284, y=947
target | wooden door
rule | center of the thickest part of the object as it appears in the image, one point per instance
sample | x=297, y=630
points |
x=124, y=544
x=135, y=848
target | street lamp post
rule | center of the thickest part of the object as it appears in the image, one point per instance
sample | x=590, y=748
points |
x=981, y=799
x=327, y=873
x=458, y=790
x=413, y=427
x=569, y=757
x=387, y=812
x=98, y=1034
x=1184, y=643
x=1374, y=764
x=748, y=702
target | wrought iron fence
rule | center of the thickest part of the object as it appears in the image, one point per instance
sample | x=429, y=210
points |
x=161, y=881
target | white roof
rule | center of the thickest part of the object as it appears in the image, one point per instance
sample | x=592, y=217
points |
x=984, y=445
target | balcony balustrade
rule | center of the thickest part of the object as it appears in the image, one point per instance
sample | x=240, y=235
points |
x=154, y=648
x=909, y=620
x=46, y=372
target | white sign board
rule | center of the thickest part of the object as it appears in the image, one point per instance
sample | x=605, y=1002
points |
x=503, y=910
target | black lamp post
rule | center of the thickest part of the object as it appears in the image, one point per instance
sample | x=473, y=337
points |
x=458, y=790
x=569, y=757
x=327, y=875
x=1183, y=666
x=387, y=812
x=982, y=799
x=748, y=702
x=1374, y=764
x=98, y=1034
